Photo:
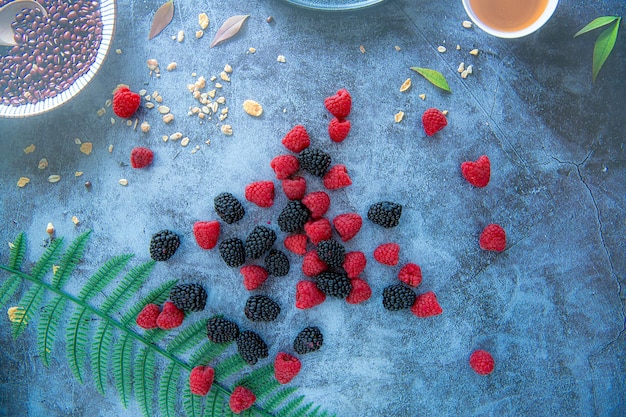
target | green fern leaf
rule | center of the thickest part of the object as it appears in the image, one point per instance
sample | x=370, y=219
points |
x=100, y=349
x=157, y=296
x=104, y=276
x=76, y=337
x=207, y=353
x=315, y=412
x=290, y=408
x=128, y=287
x=229, y=366
x=70, y=260
x=278, y=398
x=214, y=405
x=144, y=380
x=302, y=411
x=167, y=390
x=261, y=381
x=122, y=368
x=47, y=327
x=192, y=404
x=16, y=258
x=188, y=338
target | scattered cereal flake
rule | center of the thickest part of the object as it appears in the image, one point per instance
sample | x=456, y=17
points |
x=218, y=85
x=228, y=69
x=112, y=121
x=108, y=103
x=227, y=130
x=224, y=76
x=149, y=105
x=212, y=93
x=406, y=85
x=470, y=69
x=78, y=141
x=173, y=37
x=467, y=24
x=180, y=36
x=86, y=147
x=118, y=51
x=78, y=173
x=252, y=108
x=422, y=96
x=43, y=163
x=171, y=66
x=458, y=47
x=362, y=49
x=200, y=83
x=110, y=148
x=142, y=92
x=135, y=124
x=203, y=20
x=199, y=34
x=152, y=64
x=123, y=182
x=445, y=112
x=464, y=73
x=252, y=50
x=176, y=136
x=461, y=67
x=213, y=78
x=184, y=141
x=281, y=58
x=441, y=49
x=165, y=138
x=75, y=220
x=101, y=112
x=145, y=127
x=158, y=99
x=16, y=314
x=54, y=178
x=397, y=48
x=163, y=109
x=208, y=141
x=23, y=181
x=50, y=229
x=29, y=149
x=221, y=100
x=474, y=52
x=398, y=116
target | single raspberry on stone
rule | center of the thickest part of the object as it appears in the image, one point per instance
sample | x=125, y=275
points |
x=426, y=305
x=297, y=139
x=340, y=104
x=125, y=102
x=387, y=253
x=318, y=230
x=284, y=166
x=308, y=295
x=294, y=188
x=361, y=291
x=241, y=399
x=312, y=265
x=141, y=157
x=482, y=362
x=477, y=172
x=354, y=264
x=260, y=193
x=171, y=316
x=253, y=276
x=337, y=177
x=296, y=243
x=338, y=129
x=317, y=202
x=286, y=367
x=201, y=380
x=147, y=318
x=347, y=225
x=206, y=233
x=433, y=120
x=410, y=274
x=493, y=238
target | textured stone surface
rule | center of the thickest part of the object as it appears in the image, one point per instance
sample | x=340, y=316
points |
x=550, y=308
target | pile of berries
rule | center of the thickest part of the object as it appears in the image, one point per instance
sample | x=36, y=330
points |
x=183, y=298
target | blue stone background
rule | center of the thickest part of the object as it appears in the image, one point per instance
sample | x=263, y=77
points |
x=550, y=308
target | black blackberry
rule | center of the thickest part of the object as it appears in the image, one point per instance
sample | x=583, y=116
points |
x=385, y=214
x=315, y=161
x=398, y=297
x=251, y=347
x=331, y=252
x=259, y=241
x=334, y=284
x=163, y=245
x=233, y=252
x=277, y=263
x=228, y=208
x=261, y=308
x=220, y=330
x=308, y=340
x=188, y=297
x=293, y=217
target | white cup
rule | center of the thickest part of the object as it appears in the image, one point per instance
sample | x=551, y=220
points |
x=539, y=22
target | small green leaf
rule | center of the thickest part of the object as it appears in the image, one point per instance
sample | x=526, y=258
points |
x=434, y=77
x=597, y=23
x=603, y=47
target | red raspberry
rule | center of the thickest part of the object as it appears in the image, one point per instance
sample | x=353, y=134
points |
x=141, y=157
x=411, y=274
x=285, y=166
x=318, y=230
x=477, y=173
x=294, y=188
x=260, y=193
x=297, y=139
x=387, y=254
x=125, y=102
x=206, y=233
x=433, y=120
x=286, y=367
x=312, y=265
x=347, y=225
x=340, y=104
x=241, y=399
x=317, y=202
x=337, y=177
x=354, y=264
x=308, y=295
x=147, y=318
x=253, y=276
x=493, y=238
x=170, y=317
x=360, y=292
x=338, y=129
x=296, y=243
x=201, y=380
x=426, y=305
x=482, y=362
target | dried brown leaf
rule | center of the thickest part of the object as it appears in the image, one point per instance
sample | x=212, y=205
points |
x=162, y=18
x=229, y=28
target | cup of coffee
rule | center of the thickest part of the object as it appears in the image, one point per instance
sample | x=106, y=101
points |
x=509, y=18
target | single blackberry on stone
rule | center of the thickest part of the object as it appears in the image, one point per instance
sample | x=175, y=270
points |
x=163, y=245
x=331, y=252
x=308, y=340
x=259, y=241
x=228, y=208
x=315, y=161
x=233, y=252
x=277, y=263
x=293, y=217
x=221, y=330
x=188, y=297
x=251, y=347
x=398, y=297
x=334, y=284
x=385, y=214
x=261, y=308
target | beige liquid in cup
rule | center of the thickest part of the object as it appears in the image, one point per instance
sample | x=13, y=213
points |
x=508, y=15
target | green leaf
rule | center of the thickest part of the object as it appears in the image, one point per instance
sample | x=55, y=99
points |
x=70, y=260
x=128, y=287
x=192, y=404
x=144, y=380
x=603, y=47
x=122, y=367
x=47, y=327
x=104, y=276
x=596, y=23
x=167, y=390
x=434, y=77
x=279, y=397
x=188, y=338
x=100, y=349
x=76, y=337
x=207, y=353
x=229, y=366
